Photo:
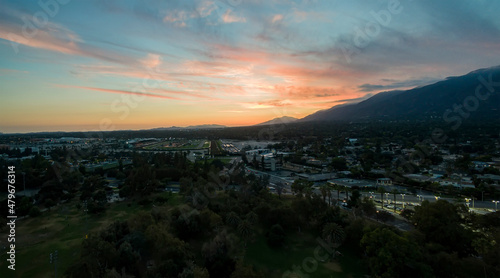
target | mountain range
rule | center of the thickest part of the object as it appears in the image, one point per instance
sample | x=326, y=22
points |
x=191, y=127
x=475, y=95
x=279, y=120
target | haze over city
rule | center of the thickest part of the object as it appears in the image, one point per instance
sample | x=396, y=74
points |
x=110, y=65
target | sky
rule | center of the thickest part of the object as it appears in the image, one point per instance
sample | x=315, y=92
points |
x=75, y=65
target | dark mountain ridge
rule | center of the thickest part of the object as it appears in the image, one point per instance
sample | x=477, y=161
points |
x=475, y=95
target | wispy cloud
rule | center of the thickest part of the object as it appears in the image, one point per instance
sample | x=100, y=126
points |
x=255, y=57
x=114, y=91
x=12, y=71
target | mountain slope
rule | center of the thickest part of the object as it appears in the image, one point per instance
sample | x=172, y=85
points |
x=431, y=101
x=280, y=120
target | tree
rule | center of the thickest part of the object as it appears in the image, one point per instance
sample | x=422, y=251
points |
x=368, y=206
x=334, y=235
x=391, y=255
x=441, y=223
x=394, y=192
x=276, y=236
x=385, y=216
x=252, y=217
x=339, y=164
x=279, y=188
x=338, y=188
x=382, y=191
x=243, y=271
x=219, y=254
x=355, y=198
x=329, y=193
x=233, y=219
x=324, y=192
x=49, y=203
x=245, y=229
x=299, y=186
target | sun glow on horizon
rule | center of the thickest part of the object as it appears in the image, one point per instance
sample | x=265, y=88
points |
x=205, y=62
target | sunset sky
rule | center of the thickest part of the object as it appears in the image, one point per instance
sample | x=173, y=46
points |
x=112, y=64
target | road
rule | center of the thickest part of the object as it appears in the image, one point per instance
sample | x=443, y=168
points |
x=408, y=199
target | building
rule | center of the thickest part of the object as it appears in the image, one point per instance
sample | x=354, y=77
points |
x=351, y=183
x=266, y=159
x=317, y=177
x=384, y=181
x=480, y=165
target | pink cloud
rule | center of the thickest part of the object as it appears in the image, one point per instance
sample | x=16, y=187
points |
x=276, y=18
x=229, y=17
x=56, y=38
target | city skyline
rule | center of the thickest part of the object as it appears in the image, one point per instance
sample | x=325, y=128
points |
x=109, y=65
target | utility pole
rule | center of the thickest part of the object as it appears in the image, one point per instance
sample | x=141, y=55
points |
x=53, y=260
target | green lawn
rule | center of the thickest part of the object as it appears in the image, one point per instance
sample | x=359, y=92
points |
x=299, y=250
x=63, y=229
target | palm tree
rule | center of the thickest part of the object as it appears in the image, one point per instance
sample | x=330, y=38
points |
x=334, y=235
x=337, y=187
x=279, y=188
x=252, y=217
x=329, y=193
x=394, y=192
x=347, y=192
x=324, y=193
x=233, y=219
x=381, y=190
x=245, y=229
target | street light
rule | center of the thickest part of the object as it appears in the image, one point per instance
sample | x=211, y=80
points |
x=420, y=198
x=467, y=202
x=496, y=204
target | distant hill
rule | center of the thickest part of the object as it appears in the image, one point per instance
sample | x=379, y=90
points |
x=427, y=102
x=205, y=126
x=280, y=120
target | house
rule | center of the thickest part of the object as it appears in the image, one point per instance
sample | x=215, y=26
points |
x=458, y=184
x=490, y=178
x=480, y=165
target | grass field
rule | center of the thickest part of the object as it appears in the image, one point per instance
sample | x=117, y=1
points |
x=300, y=249
x=63, y=229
